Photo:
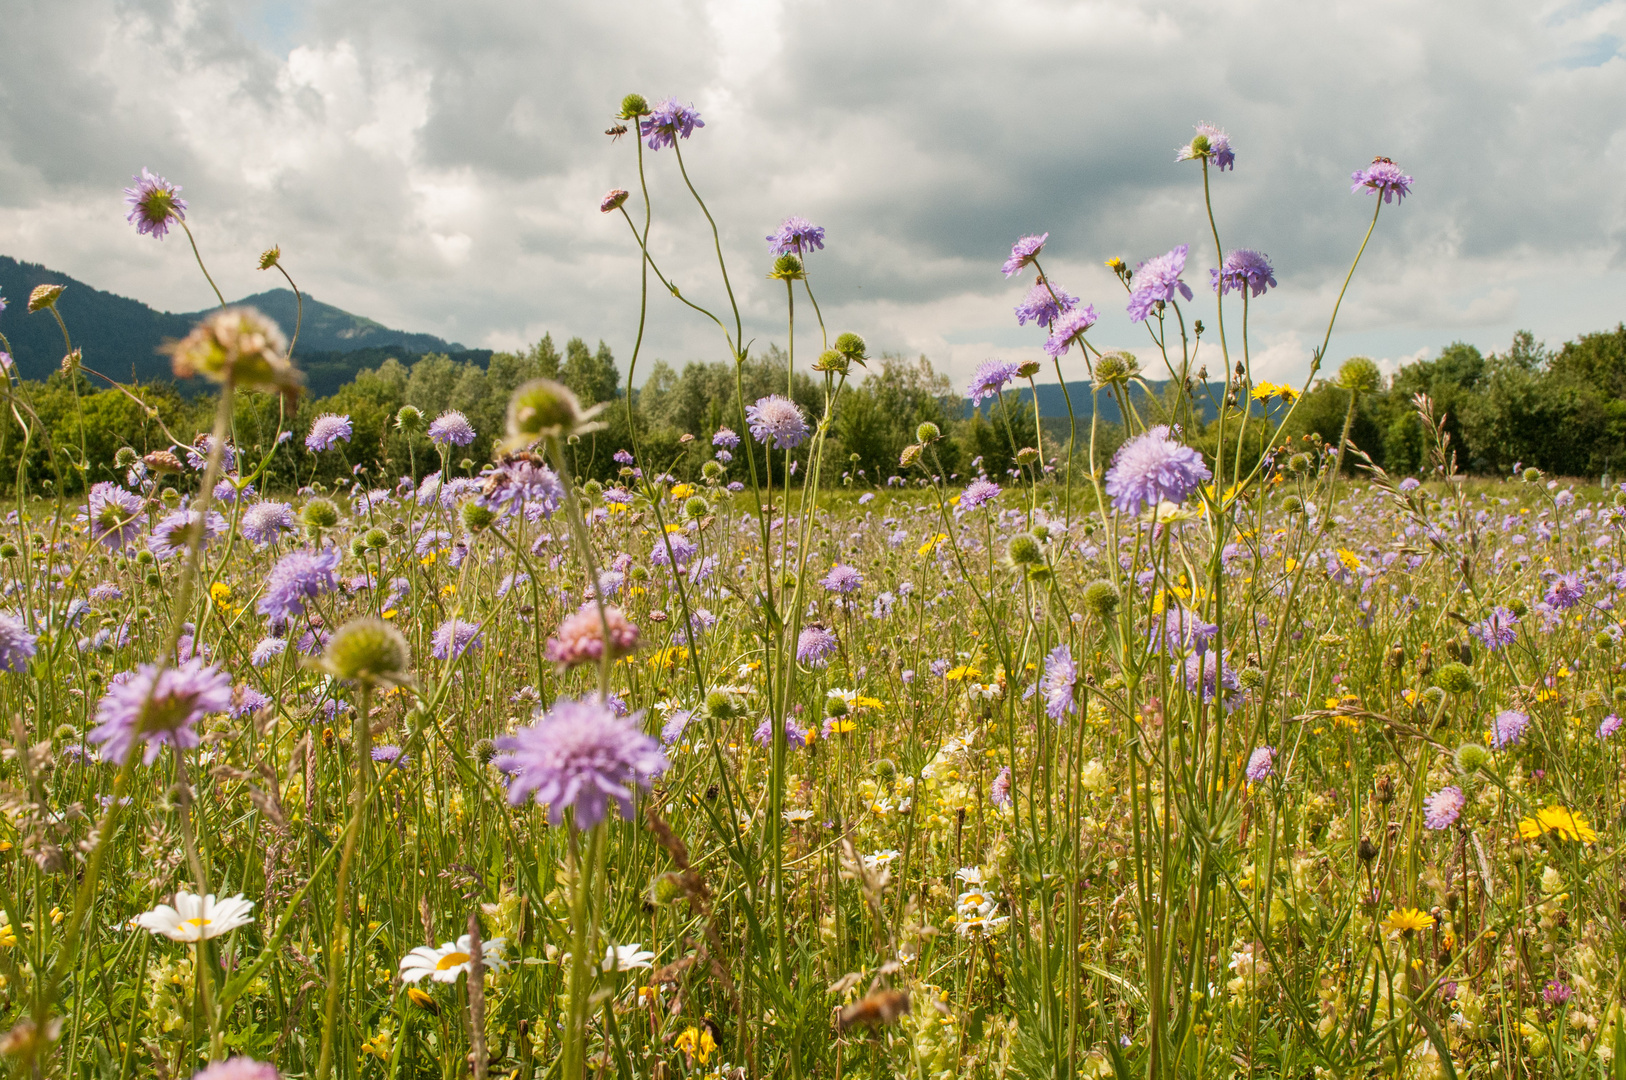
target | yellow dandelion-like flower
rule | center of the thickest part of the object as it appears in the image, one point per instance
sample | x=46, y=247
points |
x=696, y=1042
x=682, y=491
x=927, y=548
x=1350, y=560
x=1264, y=391
x=1561, y=820
x=1407, y=920
x=961, y=673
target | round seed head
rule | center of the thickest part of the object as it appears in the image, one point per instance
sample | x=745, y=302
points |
x=1101, y=599
x=368, y=651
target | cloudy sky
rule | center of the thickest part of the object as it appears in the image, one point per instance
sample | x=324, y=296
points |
x=438, y=165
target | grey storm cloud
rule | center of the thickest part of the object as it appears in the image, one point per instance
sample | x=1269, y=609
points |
x=438, y=165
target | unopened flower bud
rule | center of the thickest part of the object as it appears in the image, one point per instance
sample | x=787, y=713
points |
x=1027, y=456
x=833, y=361
x=1471, y=757
x=1024, y=550
x=721, y=705
x=162, y=461
x=44, y=296
x=1027, y=369
x=543, y=408
x=1101, y=599
x=320, y=514
x=1455, y=678
x=852, y=347
x=368, y=651
x=634, y=106
x=928, y=432
x=910, y=455
x=613, y=200
x=476, y=518
x=787, y=268
x=409, y=419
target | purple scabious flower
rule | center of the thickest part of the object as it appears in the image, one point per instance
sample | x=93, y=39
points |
x=113, y=513
x=999, y=793
x=1153, y=468
x=521, y=480
x=1441, y=809
x=246, y=701
x=17, y=645
x=1608, y=726
x=154, y=202
x=1023, y=252
x=682, y=550
x=1499, y=629
x=1156, y=281
x=842, y=579
x=326, y=430
x=1067, y=329
x=676, y=721
x=815, y=646
x=454, y=637
x=1179, y=629
x=238, y=1068
x=726, y=438
x=1383, y=177
x=1509, y=728
x=1556, y=993
x=386, y=753
x=1211, y=143
x=1060, y=676
x=1566, y=591
x=1244, y=271
x=579, y=756
x=1206, y=673
x=668, y=123
x=622, y=457
x=267, y=650
x=1261, y=764
x=197, y=455
x=451, y=428
x=795, y=734
x=796, y=236
x=297, y=577
x=1044, y=304
x=264, y=522
x=169, y=538
x=778, y=418
x=976, y=494
x=990, y=379
x=159, y=708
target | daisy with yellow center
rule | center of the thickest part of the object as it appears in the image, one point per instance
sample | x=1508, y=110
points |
x=449, y=961
x=197, y=918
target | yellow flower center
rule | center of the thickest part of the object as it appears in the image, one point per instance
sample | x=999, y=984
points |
x=200, y=921
x=451, y=960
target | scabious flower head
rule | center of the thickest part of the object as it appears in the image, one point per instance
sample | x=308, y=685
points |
x=1211, y=143
x=842, y=579
x=1383, y=177
x=1023, y=252
x=1206, y=673
x=1606, y=728
x=327, y=430
x=815, y=645
x=17, y=645
x=454, y=637
x=613, y=200
x=725, y=438
x=990, y=379
x=580, y=639
x=795, y=734
x=264, y=522
x=238, y=1068
x=796, y=236
x=169, y=538
x=154, y=202
x=1243, y=270
x=1566, y=591
x=158, y=708
x=451, y=428
x=1067, y=329
x=297, y=577
x=521, y=480
x=999, y=793
x=1441, y=809
x=1044, y=304
x=1060, y=676
x=1499, y=629
x=1179, y=628
x=669, y=122
x=1153, y=468
x=579, y=756
x=778, y=418
x=1261, y=764
x=1157, y=280
x=976, y=494
x=672, y=549
x=113, y=513
x=1509, y=728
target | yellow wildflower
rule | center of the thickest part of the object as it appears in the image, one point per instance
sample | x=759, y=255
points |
x=1407, y=920
x=696, y=1042
x=926, y=548
x=1561, y=820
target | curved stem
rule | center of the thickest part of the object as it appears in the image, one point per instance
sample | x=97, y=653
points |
x=197, y=255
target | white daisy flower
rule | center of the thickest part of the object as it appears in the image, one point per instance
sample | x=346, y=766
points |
x=197, y=918
x=449, y=961
x=626, y=957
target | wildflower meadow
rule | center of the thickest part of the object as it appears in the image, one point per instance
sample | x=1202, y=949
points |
x=1198, y=747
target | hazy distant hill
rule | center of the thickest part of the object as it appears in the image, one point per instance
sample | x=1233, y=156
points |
x=1053, y=405
x=120, y=336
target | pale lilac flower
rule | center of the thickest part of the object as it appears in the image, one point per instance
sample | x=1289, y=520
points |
x=1244, y=271
x=990, y=379
x=1206, y=674
x=999, y=794
x=1044, y=304
x=1153, y=468
x=298, y=576
x=1608, y=726
x=154, y=202
x=169, y=538
x=579, y=756
x=264, y=522
x=1500, y=628
x=1566, y=591
x=1441, y=809
x=451, y=428
x=158, y=708
x=1509, y=728
x=1023, y=252
x=1383, y=177
x=113, y=513
x=842, y=579
x=976, y=493
x=17, y=645
x=795, y=734
x=521, y=480
x=267, y=650
x=725, y=437
x=676, y=721
x=815, y=646
x=454, y=637
x=1067, y=330
x=1157, y=280
x=327, y=430
x=796, y=236
x=1216, y=148
x=778, y=418
x=668, y=123
x=1261, y=764
x=1060, y=676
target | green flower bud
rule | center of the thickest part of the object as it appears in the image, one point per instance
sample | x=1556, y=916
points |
x=928, y=432
x=1471, y=757
x=1360, y=374
x=358, y=547
x=592, y=489
x=377, y=539
x=1603, y=641
x=696, y=508
x=665, y=889
x=1299, y=463
x=1028, y=369
x=1519, y=608
x=476, y=518
x=409, y=419
x=1292, y=505
x=852, y=347
x=831, y=360
x=1101, y=599
x=543, y=408
x=787, y=268
x=712, y=470
x=1455, y=678
x=721, y=705
x=171, y=498
x=1024, y=550
x=835, y=705
x=143, y=557
x=8, y=550
x=484, y=751
x=320, y=514
x=1027, y=456
x=1116, y=367
x=634, y=106
x=154, y=580
x=1251, y=678
x=125, y=458
x=910, y=455
x=368, y=651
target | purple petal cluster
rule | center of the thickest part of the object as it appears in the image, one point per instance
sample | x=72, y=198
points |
x=1153, y=468
x=1566, y=591
x=1245, y=271
x=1441, y=809
x=326, y=431
x=264, y=522
x=451, y=428
x=1067, y=330
x=725, y=438
x=1023, y=252
x=842, y=579
x=815, y=646
x=1508, y=729
x=779, y=419
x=521, y=481
x=158, y=708
x=579, y=756
x=1157, y=281
x=298, y=576
x=169, y=538
x=1383, y=177
x=454, y=637
x=976, y=493
x=1261, y=764
x=669, y=122
x=154, y=202
x=796, y=236
x=1060, y=676
x=990, y=379
x=1044, y=304
x=1212, y=143
x=17, y=644
x=114, y=514
x=1498, y=630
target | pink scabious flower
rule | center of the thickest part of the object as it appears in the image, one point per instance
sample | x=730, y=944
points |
x=1211, y=143
x=154, y=202
x=238, y=1068
x=158, y=708
x=580, y=639
x=1383, y=177
x=1157, y=281
x=999, y=794
x=613, y=199
x=1441, y=809
x=1153, y=468
x=1067, y=329
x=579, y=756
x=1023, y=252
x=1261, y=764
x=1608, y=726
x=669, y=122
